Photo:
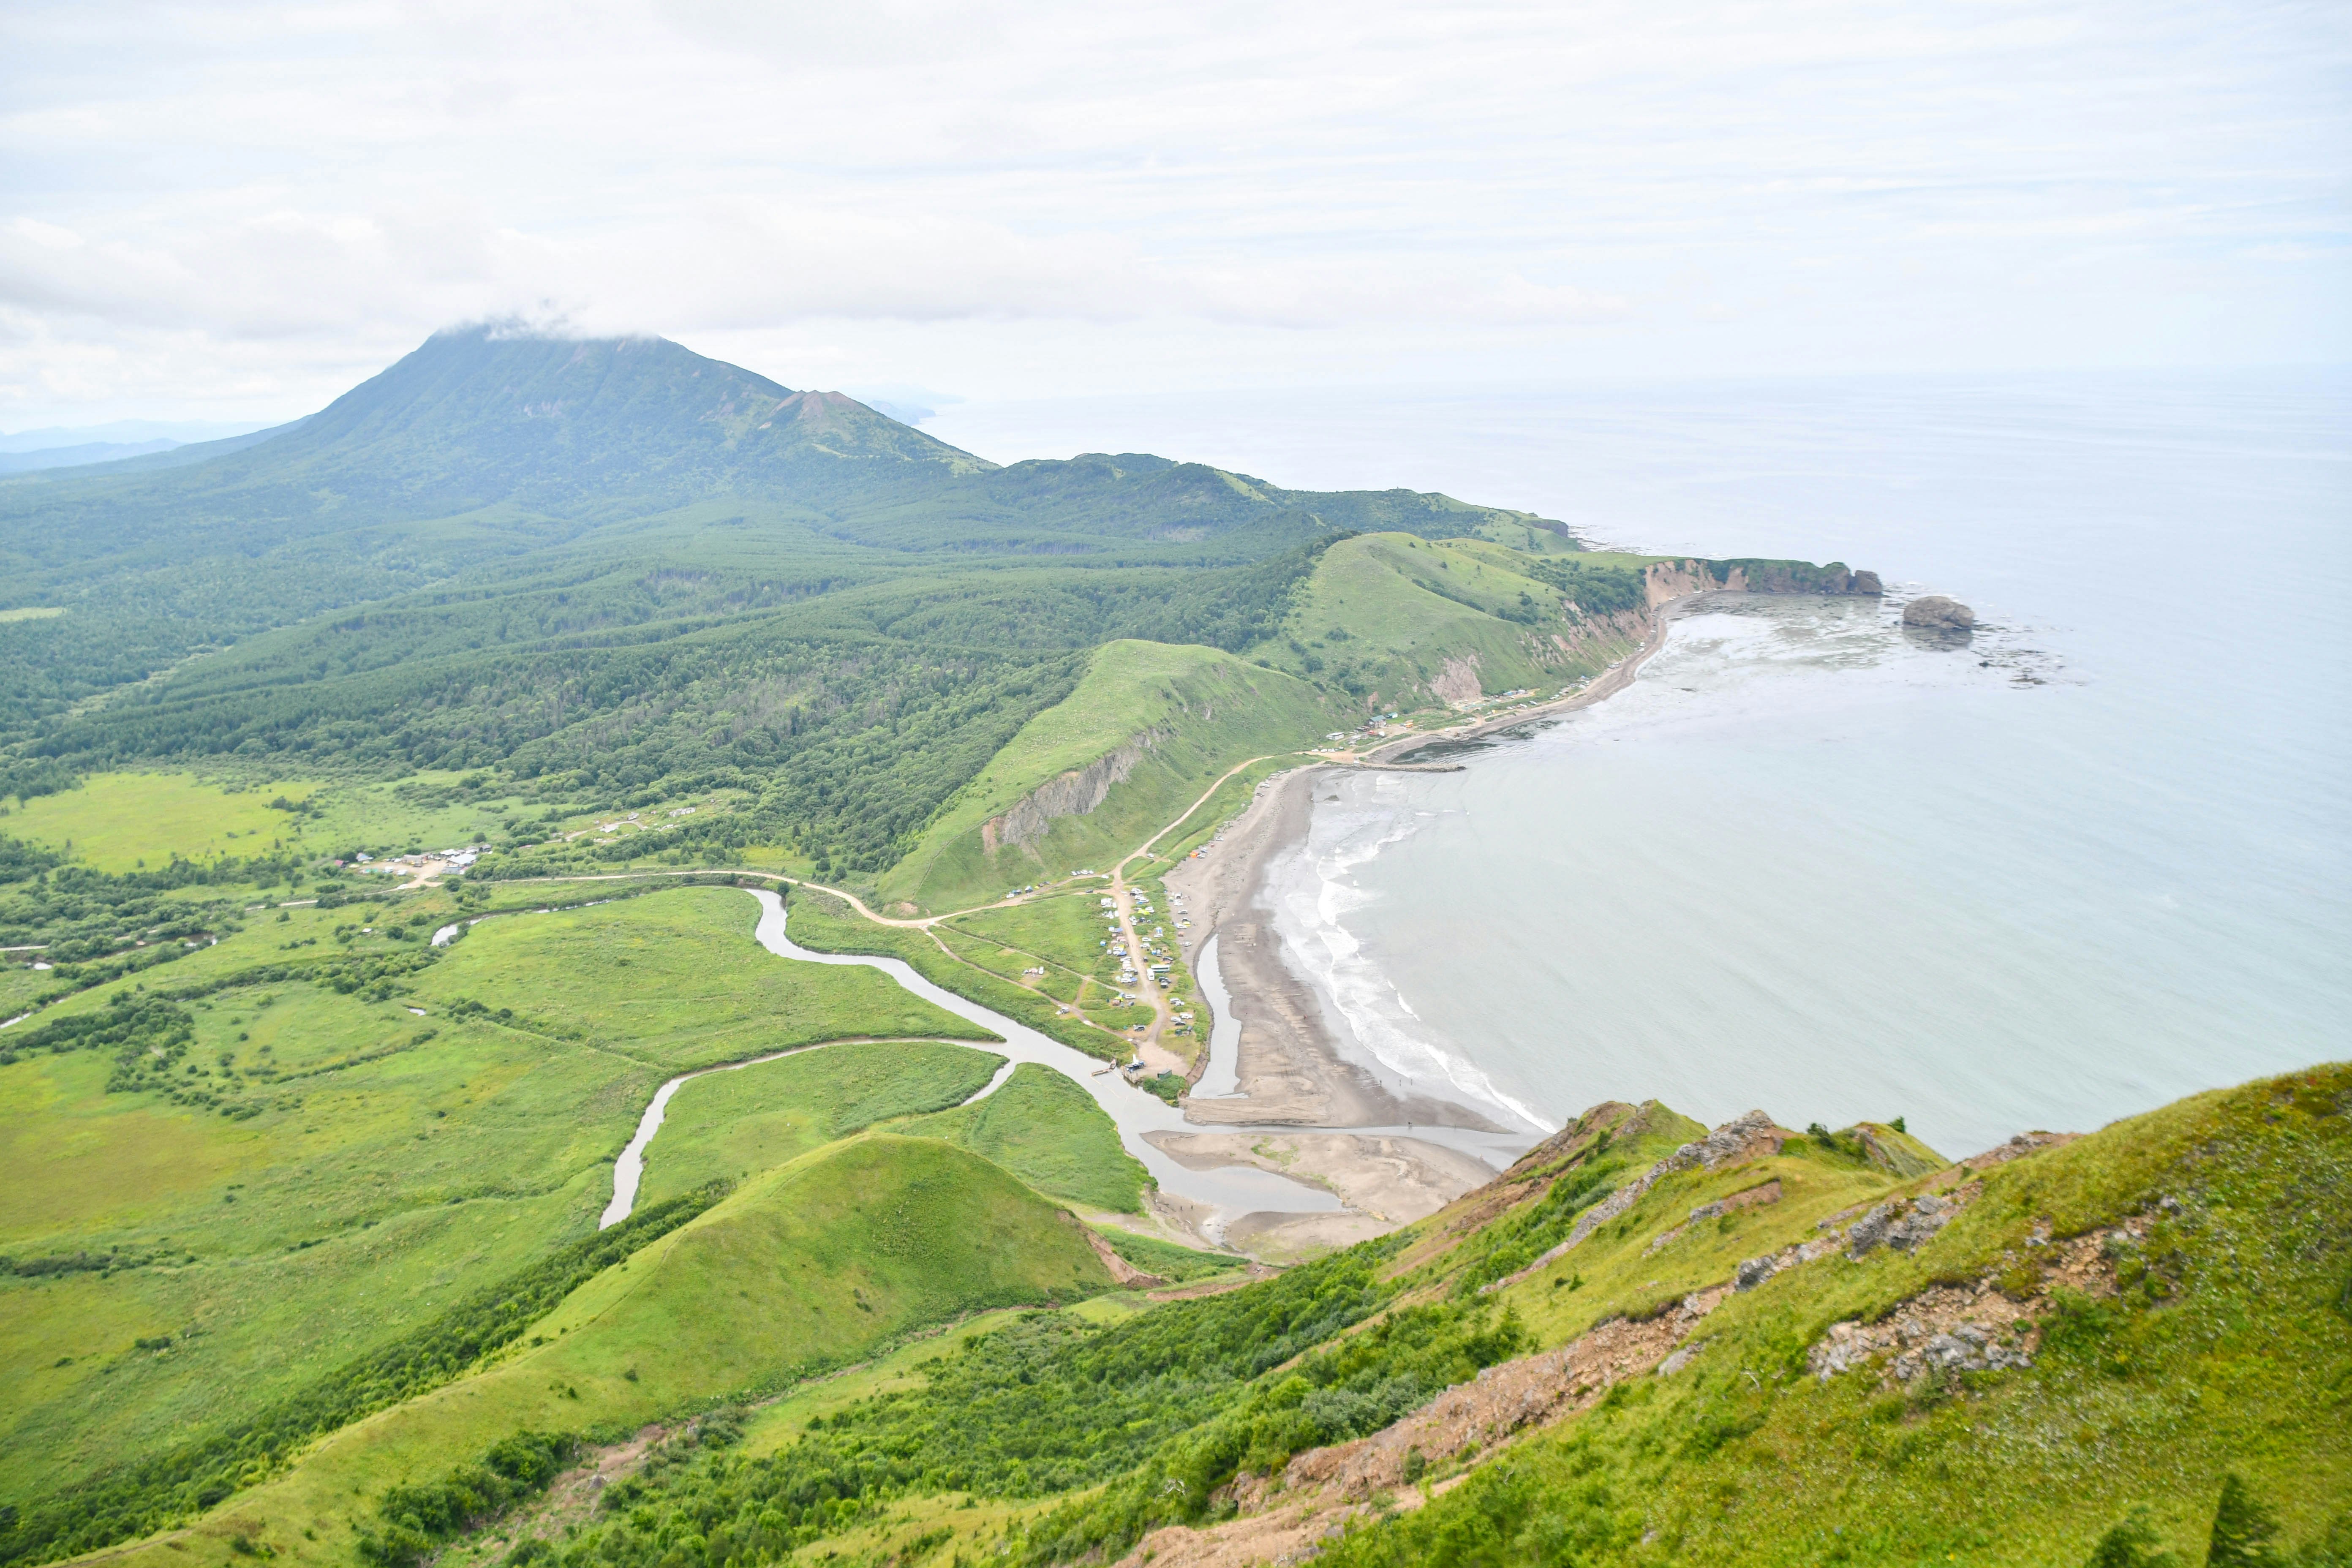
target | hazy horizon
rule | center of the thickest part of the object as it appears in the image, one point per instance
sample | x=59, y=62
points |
x=226, y=213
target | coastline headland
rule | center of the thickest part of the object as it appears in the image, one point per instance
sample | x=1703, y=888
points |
x=1293, y=1062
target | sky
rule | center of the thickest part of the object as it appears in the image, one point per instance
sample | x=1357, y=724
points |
x=236, y=211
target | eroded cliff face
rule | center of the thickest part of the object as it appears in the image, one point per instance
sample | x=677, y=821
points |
x=1073, y=794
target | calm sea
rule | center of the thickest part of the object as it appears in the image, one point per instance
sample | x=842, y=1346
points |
x=2092, y=861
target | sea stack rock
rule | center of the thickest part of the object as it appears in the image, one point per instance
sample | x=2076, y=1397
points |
x=1935, y=613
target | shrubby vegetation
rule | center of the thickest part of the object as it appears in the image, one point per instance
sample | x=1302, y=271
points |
x=1521, y=1237
x=417, y=1519
x=1167, y=1407
x=149, y=1495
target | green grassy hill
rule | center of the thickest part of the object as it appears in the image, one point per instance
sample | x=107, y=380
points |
x=801, y=1270
x=1748, y=1348
x=727, y=1126
x=315, y=1168
x=1146, y=729
x=1394, y=621
x=1047, y=1131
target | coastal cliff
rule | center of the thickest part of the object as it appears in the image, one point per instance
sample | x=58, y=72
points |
x=1073, y=794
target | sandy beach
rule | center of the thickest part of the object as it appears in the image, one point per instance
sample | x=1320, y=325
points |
x=1290, y=1068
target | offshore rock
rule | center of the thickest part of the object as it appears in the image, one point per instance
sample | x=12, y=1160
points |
x=1935, y=613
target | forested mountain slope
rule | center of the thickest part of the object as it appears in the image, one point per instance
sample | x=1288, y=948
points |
x=617, y=566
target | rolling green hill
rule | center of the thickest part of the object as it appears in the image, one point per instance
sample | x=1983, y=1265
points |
x=1392, y=620
x=2005, y=1364
x=802, y=1270
x=1147, y=728
x=316, y=1169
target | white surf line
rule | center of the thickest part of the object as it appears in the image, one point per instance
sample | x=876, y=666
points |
x=1230, y=1190
x=629, y=1170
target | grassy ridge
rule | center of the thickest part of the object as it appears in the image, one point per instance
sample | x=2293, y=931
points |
x=1190, y=713
x=2228, y=1350
x=2225, y=1349
x=801, y=1270
x=1386, y=616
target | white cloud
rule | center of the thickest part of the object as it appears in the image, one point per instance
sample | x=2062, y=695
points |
x=206, y=202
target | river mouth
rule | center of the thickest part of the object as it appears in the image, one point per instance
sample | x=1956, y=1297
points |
x=1228, y=1193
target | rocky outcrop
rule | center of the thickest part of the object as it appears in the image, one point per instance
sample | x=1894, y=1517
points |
x=1935, y=613
x=2017, y=1148
x=1769, y=1193
x=1074, y=794
x=1750, y=1137
x=1899, y=1225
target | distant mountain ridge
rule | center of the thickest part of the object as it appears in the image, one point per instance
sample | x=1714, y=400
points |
x=588, y=429
x=559, y=554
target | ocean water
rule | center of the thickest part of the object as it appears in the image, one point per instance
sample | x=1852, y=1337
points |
x=2093, y=860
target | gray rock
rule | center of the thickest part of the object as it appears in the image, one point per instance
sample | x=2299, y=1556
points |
x=1928, y=1216
x=1966, y=1348
x=1754, y=1272
x=1935, y=613
x=1866, y=1233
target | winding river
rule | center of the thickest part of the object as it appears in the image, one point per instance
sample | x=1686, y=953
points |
x=1228, y=1191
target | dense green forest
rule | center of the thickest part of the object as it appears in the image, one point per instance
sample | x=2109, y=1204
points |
x=615, y=571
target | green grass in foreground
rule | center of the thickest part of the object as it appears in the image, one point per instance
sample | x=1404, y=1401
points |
x=2226, y=1351
x=729, y=1125
x=2229, y=1348
x=338, y=1168
x=805, y=1268
x=1048, y=1132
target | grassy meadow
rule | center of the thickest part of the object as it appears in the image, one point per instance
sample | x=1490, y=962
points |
x=804, y=1268
x=336, y=1166
x=825, y=924
x=1048, y=1132
x=1059, y=1438
x=120, y=821
x=726, y=1126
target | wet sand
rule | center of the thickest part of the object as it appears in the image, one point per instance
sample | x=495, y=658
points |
x=1385, y=1182
x=1290, y=1068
